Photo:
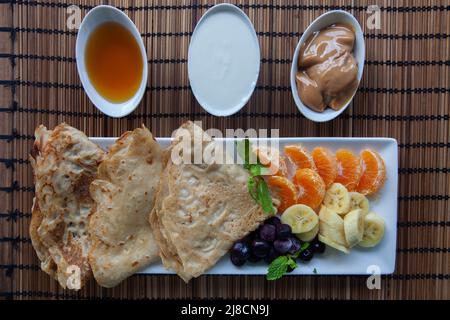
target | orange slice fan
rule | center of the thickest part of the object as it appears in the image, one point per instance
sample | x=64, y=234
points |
x=300, y=157
x=349, y=169
x=311, y=187
x=373, y=172
x=326, y=164
x=284, y=190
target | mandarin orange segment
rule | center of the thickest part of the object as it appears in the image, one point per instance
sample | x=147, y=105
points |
x=299, y=156
x=311, y=187
x=268, y=157
x=349, y=169
x=326, y=164
x=284, y=190
x=373, y=172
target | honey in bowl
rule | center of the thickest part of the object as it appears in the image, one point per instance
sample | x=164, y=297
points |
x=114, y=62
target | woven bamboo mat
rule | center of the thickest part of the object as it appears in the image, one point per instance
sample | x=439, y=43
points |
x=404, y=94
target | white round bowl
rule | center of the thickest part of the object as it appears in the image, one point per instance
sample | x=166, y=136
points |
x=93, y=19
x=254, y=55
x=359, y=52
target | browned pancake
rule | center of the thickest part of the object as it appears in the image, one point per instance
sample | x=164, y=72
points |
x=64, y=163
x=122, y=239
x=200, y=210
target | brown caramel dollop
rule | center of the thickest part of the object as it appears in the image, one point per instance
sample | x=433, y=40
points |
x=328, y=74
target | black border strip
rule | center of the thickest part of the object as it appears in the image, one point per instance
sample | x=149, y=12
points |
x=416, y=145
x=45, y=294
x=433, y=276
x=15, y=187
x=10, y=162
x=18, y=239
x=421, y=224
x=424, y=197
x=242, y=6
x=57, y=85
x=422, y=170
x=297, y=115
x=15, y=135
x=390, y=63
x=16, y=214
x=379, y=36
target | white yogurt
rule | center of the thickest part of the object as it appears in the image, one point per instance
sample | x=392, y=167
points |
x=223, y=60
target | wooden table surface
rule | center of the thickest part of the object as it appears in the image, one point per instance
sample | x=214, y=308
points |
x=404, y=94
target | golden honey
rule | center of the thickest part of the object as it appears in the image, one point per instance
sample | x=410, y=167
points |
x=114, y=62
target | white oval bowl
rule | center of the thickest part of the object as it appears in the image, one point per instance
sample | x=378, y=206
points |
x=217, y=111
x=93, y=19
x=359, y=52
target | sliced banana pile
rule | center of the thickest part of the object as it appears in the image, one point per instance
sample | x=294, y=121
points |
x=303, y=220
x=345, y=221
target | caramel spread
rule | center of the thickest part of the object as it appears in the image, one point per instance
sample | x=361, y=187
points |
x=327, y=69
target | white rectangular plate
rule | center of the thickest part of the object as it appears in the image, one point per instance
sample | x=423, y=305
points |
x=361, y=260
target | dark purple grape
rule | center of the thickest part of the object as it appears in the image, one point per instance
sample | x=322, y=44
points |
x=260, y=248
x=296, y=245
x=254, y=258
x=318, y=247
x=241, y=250
x=284, y=231
x=275, y=220
x=236, y=260
x=272, y=255
x=282, y=246
x=306, y=255
x=248, y=238
x=268, y=232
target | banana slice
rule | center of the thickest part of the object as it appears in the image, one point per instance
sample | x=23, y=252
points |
x=359, y=201
x=373, y=230
x=331, y=226
x=308, y=236
x=354, y=227
x=301, y=218
x=337, y=198
x=333, y=244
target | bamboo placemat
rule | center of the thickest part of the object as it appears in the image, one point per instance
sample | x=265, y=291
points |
x=404, y=94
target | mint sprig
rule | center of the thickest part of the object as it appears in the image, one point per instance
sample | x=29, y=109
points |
x=257, y=186
x=280, y=265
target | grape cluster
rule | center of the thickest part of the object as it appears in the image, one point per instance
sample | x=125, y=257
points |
x=271, y=240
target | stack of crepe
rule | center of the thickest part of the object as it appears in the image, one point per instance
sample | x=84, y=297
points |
x=111, y=214
x=200, y=209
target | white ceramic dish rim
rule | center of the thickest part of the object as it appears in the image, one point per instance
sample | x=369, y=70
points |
x=112, y=14
x=242, y=14
x=332, y=262
x=330, y=17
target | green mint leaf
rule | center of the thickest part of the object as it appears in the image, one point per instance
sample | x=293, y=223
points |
x=277, y=268
x=291, y=263
x=315, y=271
x=264, y=197
x=255, y=169
x=252, y=185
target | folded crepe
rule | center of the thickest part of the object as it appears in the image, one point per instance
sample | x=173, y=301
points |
x=64, y=163
x=122, y=239
x=200, y=209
